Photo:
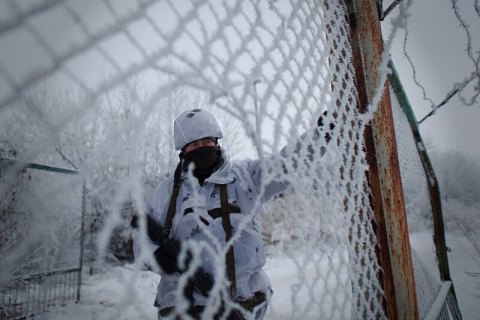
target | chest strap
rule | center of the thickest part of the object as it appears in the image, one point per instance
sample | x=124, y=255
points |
x=227, y=227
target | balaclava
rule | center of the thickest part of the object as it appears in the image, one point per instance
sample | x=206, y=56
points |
x=205, y=161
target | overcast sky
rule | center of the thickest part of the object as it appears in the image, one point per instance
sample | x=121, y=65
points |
x=437, y=45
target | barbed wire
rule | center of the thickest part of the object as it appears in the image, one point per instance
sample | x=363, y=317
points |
x=458, y=87
x=414, y=70
x=475, y=60
x=384, y=13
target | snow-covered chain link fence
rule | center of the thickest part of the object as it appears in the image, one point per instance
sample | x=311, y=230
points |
x=417, y=204
x=269, y=67
x=41, y=242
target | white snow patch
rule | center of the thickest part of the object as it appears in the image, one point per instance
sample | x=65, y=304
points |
x=124, y=293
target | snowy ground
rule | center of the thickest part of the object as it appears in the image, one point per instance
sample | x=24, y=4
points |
x=123, y=293
x=464, y=268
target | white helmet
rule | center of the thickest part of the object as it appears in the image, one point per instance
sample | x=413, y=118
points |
x=193, y=125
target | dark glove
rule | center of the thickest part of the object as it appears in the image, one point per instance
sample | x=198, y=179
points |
x=203, y=281
x=168, y=262
x=165, y=260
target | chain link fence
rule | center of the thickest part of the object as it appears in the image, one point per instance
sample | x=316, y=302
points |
x=41, y=242
x=272, y=66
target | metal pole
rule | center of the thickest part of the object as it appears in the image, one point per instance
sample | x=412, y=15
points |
x=82, y=238
x=384, y=174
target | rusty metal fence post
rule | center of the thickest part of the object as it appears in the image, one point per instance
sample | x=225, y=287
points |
x=384, y=174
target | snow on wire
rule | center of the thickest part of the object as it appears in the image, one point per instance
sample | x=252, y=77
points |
x=106, y=83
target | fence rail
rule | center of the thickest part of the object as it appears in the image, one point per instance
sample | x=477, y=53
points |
x=26, y=296
x=445, y=303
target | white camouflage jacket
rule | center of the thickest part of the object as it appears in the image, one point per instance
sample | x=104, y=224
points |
x=244, y=180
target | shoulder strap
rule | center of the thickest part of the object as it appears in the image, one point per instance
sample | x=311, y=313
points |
x=172, y=205
x=227, y=227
